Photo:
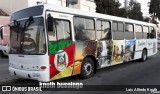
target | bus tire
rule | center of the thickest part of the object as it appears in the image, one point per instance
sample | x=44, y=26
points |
x=144, y=55
x=87, y=68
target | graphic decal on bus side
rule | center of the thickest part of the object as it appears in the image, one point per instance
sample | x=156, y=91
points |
x=104, y=53
x=61, y=56
x=118, y=52
x=130, y=50
x=83, y=48
x=61, y=60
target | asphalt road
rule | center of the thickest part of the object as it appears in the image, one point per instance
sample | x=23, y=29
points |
x=131, y=73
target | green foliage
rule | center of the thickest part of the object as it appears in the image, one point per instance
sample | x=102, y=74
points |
x=112, y=7
x=135, y=11
x=122, y=13
x=154, y=8
x=109, y=7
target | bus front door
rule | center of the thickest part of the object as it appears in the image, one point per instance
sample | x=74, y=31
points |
x=61, y=48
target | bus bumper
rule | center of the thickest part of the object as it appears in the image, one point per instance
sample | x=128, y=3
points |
x=34, y=75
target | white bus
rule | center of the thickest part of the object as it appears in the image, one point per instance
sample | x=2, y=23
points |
x=53, y=42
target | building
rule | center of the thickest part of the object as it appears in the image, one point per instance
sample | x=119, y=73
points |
x=10, y=6
x=4, y=20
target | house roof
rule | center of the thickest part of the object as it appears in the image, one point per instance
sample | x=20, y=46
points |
x=2, y=13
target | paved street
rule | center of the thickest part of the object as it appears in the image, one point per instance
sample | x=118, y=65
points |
x=5, y=76
x=131, y=73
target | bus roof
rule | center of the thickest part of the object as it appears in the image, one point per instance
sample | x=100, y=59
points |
x=90, y=14
x=67, y=10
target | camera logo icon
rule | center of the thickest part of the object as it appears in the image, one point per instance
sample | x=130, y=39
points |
x=6, y=88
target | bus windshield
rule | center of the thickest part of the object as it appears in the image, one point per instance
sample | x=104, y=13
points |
x=28, y=37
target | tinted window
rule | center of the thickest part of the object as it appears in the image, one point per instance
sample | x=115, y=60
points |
x=118, y=30
x=145, y=32
x=33, y=11
x=28, y=38
x=103, y=30
x=63, y=30
x=120, y=27
x=153, y=33
x=139, y=33
x=129, y=31
x=115, y=26
x=89, y=24
x=84, y=28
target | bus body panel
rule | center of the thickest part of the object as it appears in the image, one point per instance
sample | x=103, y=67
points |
x=118, y=52
x=140, y=45
x=61, y=63
x=130, y=50
x=104, y=53
x=29, y=66
x=148, y=44
x=83, y=49
x=152, y=47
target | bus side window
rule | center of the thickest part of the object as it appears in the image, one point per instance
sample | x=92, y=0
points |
x=63, y=29
x=153, y=33
x=129, y=31
x=84, y=28
x=118, y=30
x=139, y=32
x=145, y=32
x=103, y=30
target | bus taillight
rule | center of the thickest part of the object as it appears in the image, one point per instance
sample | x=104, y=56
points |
x=43, y=67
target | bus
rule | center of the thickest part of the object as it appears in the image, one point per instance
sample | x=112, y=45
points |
x=52, y=42
x=4, y=33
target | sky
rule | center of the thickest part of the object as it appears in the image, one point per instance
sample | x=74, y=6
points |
x=144, y=6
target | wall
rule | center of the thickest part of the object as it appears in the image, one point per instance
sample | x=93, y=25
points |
x=10, y=6
x=87, y=5
x=6, y=32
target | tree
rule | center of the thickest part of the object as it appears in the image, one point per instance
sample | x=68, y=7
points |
x=110, y=7
x=135, y=11
x=122, y=13
x=154, y=7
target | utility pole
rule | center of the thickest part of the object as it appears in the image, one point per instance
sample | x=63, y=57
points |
x=126, y=4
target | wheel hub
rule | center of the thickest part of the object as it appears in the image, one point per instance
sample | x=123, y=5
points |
x=88, y=68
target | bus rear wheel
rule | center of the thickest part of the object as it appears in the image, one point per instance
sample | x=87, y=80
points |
x=87, y=68
x=144, y=55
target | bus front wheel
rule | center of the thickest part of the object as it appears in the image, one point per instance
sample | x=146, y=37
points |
x=87, y=68
x=144, y=55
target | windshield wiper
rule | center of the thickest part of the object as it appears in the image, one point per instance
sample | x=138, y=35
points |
x=27, y=23
x=17, y=25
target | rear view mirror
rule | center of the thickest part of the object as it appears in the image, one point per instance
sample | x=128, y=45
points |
x=1, y=33
x=50, y=23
